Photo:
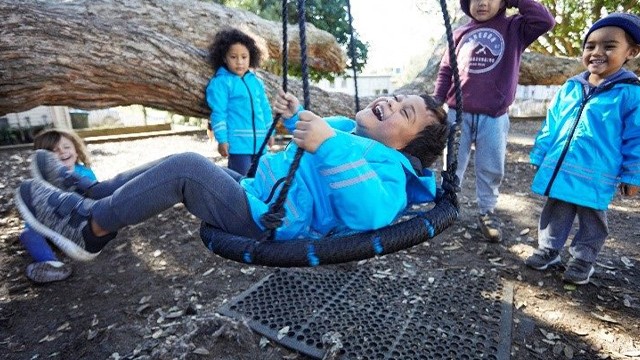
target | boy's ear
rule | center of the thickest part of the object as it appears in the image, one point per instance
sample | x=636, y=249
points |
x=634, y=52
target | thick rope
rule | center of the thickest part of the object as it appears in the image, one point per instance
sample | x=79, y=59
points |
x=450, y=182
x=272, y=219
x=352, y=53
x=285, y=69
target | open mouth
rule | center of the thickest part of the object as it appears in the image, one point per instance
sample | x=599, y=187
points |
x=378, y=112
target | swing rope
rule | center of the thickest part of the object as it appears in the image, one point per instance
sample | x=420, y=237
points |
x=285, y=69
x=352, y=53
x=272, y=219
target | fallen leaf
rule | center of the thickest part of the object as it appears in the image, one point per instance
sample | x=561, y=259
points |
x=626, y=262
x=524, y=231
x=581, y=332
x=282, y=332
x=201, y=351
x=606, y=318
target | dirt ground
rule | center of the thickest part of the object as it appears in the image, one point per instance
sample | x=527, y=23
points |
x=153, y=292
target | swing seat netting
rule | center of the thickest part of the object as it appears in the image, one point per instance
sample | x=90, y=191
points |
x=417, y=226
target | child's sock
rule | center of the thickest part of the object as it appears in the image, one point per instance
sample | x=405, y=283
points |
x=37, y=246
x=93, y=243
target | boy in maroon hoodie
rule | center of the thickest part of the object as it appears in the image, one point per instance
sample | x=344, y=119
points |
x=488, y=50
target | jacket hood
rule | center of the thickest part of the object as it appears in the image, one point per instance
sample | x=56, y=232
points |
x=421, y=185
x=622, y=75
x=464, y=5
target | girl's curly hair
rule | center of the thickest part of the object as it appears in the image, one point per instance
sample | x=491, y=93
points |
x=227, y=37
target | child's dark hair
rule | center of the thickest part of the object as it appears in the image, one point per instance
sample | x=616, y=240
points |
x=48, y=139
x=227, y=37
x=431, y=141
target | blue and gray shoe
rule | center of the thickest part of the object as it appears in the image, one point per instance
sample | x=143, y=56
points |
x=62, y=217
x=578, y=271
x=46, y=166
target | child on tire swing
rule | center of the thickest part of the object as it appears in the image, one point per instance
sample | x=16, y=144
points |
x=354, y=176
x=588, y=144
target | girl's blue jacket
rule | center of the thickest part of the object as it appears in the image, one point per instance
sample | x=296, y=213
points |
x=590, y=141
x=240, y=110
x=351, y=183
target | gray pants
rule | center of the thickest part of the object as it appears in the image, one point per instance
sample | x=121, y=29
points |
x=489, y=135
x=210, y=192
x=556, y=221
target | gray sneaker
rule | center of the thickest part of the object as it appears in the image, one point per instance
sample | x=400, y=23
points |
x=59, y=216
x=578, y=271
x=46, y=166
x=48, y=271
x=543, y=258
x=490, y=225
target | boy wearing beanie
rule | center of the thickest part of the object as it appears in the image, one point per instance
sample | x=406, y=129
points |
x=588, y=146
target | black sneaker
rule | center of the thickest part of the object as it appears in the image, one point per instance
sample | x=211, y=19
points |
x=543, y=258
x=578, y=271
x=62, y=217
x=490, y=225
x=46, y=166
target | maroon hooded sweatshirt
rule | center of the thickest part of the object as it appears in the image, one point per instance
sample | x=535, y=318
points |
x=488, y=55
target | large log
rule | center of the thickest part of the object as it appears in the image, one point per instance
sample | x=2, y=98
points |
x=93, y=54
x=535, y=69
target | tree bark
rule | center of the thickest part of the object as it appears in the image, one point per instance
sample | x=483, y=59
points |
x=93, y=54
x=535, y=69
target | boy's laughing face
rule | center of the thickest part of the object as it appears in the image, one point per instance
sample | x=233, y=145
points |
x=394, y=120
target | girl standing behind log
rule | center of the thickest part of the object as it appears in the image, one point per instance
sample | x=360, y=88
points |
x=240, y=111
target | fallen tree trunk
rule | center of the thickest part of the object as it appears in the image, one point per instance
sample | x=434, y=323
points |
x=93, y=54
x=535, y=69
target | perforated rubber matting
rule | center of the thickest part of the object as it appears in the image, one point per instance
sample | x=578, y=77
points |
x=374, y=313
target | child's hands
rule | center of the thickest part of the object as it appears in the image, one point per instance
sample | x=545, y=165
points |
x=286, y=104
x=311, y=131
x=629, y=190
x=223, y=149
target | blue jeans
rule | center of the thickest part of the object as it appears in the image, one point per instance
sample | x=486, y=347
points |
x=240, y=163
x=210, y=192
x=489, y=135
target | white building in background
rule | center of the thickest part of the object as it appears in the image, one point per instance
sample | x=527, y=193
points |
x=40, y=116
x=371, y=84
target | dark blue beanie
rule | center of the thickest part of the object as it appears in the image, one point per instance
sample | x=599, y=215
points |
x=628, y=22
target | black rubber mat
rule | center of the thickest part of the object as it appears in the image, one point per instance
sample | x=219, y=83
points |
x=381, y=314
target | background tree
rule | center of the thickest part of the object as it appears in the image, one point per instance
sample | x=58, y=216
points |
x=573, y=18
x=330, y=16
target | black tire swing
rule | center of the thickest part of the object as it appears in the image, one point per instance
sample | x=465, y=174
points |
x=340, y=249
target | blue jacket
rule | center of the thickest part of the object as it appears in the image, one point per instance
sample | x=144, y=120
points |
x=590, y=141
x=351, y=183
x=240, y=111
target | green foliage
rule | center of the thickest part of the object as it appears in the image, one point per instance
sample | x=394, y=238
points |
x=573, y=18
x=330, y=16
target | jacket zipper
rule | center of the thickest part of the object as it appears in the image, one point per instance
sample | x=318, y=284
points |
x=575, y=125
x=253, y=116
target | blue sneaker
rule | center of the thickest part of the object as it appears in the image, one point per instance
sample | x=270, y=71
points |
x=62, y=217
x=46, y=166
